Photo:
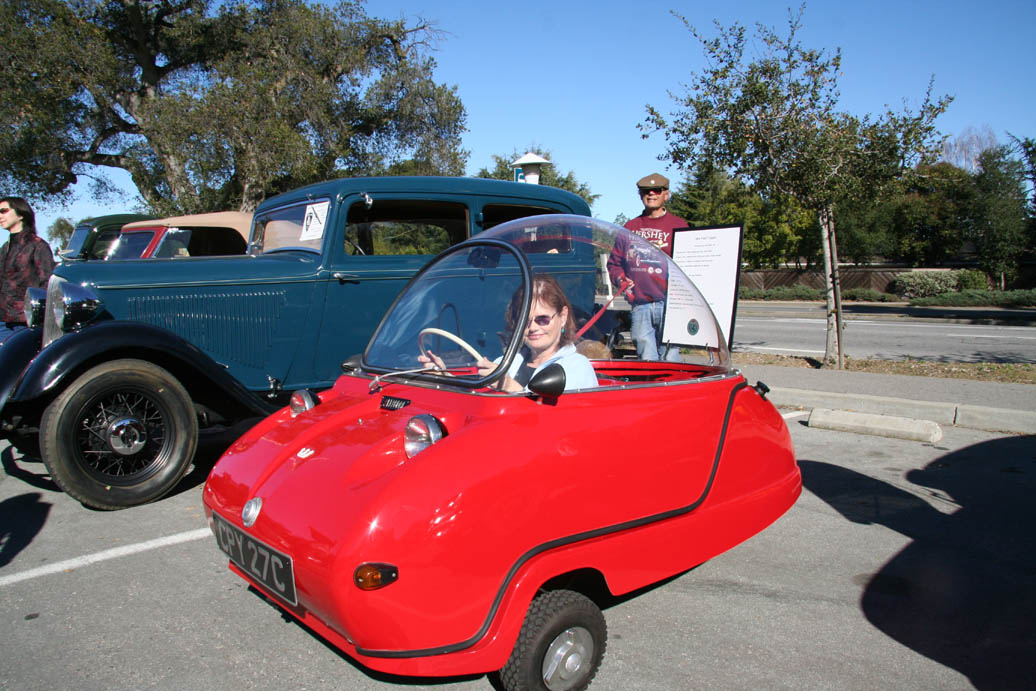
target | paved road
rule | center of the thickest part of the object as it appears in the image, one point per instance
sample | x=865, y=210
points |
x=903, y=565
x=942, y=336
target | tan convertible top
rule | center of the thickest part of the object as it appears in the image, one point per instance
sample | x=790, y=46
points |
x=241, y=222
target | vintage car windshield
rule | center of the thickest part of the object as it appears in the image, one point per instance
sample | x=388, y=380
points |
x=76, y=242
x=131, y=245
x=462, y=305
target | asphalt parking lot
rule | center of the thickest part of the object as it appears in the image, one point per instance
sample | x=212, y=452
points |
x=903, y=565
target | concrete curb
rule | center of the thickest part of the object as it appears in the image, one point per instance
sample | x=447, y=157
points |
x=871, y=423
x=920, y=412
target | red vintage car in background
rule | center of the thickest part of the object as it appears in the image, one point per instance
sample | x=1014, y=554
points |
x=194, y=235
x=427, y=522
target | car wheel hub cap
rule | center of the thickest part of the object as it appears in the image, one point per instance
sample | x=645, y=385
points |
x=127, y=436
x=567, y=658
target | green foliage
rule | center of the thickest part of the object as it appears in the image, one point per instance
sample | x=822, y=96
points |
x=59, y=232
x=217, y=105
x=774, y=230
x=930, y=215
x=786, y=293
x=773, y=121
x=410, y=238
x=999, y=222
x=969, y=279
x=919, y=284
x=979, y=298
x=867, y=295
x=865, y=229
x=803, y=293
x=549, y=174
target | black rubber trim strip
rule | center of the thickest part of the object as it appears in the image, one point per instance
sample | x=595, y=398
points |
x=563, y=542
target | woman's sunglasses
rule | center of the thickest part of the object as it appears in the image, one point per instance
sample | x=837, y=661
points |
x=543, y=319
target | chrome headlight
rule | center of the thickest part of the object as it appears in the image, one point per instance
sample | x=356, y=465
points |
x=421, y=432
x=69, y=307
x=35, y=306
x=301, y=401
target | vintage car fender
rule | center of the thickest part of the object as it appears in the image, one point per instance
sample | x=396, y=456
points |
x=15, y=355
x=62, y=361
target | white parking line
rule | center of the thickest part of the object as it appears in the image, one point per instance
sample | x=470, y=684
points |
x=114, y=553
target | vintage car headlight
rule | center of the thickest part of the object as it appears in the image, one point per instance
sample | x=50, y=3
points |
x=421, y=432
x=301, y=401
x=35, y=306
x=69, y=307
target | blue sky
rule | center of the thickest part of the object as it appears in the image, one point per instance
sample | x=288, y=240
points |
x=574, y=77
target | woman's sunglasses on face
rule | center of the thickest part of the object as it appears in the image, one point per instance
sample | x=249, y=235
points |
x=543, y=319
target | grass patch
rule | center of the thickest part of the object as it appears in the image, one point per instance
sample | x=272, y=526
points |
x=1004, y=372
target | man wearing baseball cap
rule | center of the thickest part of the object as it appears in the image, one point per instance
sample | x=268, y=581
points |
x=649, y=275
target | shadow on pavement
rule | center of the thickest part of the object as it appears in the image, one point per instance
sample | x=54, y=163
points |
x=21, y=519
x=39, y=480
x=963, y=593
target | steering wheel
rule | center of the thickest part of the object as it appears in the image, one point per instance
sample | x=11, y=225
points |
x=432, y=331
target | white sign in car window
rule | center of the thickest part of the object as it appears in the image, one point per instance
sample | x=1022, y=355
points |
x=711, y=257
x=314, y=221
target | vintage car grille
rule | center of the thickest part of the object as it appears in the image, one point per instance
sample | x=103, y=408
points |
x=237, y=326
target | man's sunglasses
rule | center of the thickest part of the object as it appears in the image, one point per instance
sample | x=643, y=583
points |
x=644, y=191
x=4, y=211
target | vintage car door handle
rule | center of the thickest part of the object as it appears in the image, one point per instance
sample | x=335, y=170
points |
x=342, y=277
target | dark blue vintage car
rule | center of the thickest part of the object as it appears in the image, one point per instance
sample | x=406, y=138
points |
x=93, y=237
x=126, y=361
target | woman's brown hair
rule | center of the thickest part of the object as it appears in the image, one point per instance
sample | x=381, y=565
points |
x=547, y=290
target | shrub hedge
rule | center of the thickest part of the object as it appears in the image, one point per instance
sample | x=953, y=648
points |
x=979, y=298
x=922, y=284
x=920, y=288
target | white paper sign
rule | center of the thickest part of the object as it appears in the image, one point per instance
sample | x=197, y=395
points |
x=711, y=258
x=313, y=223
x=687, y=318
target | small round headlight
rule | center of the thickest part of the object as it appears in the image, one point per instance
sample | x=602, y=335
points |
x=421, y=432
x=301, y=401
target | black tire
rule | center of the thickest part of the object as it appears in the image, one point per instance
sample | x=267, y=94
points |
x=122, y=434
x=560, y=646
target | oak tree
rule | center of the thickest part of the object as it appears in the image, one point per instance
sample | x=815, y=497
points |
x=212, y=105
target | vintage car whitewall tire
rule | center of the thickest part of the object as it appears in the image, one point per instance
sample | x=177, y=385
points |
x=122, y=434
x=560, y=646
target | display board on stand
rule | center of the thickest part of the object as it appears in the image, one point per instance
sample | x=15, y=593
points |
x=711, y=258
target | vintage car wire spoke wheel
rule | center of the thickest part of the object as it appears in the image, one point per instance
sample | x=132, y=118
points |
x=121, y=434
x=560, y=646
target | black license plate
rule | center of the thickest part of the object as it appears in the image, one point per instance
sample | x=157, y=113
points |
x=269, y=567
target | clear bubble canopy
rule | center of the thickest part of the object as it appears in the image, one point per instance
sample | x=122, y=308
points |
x=477, y=302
